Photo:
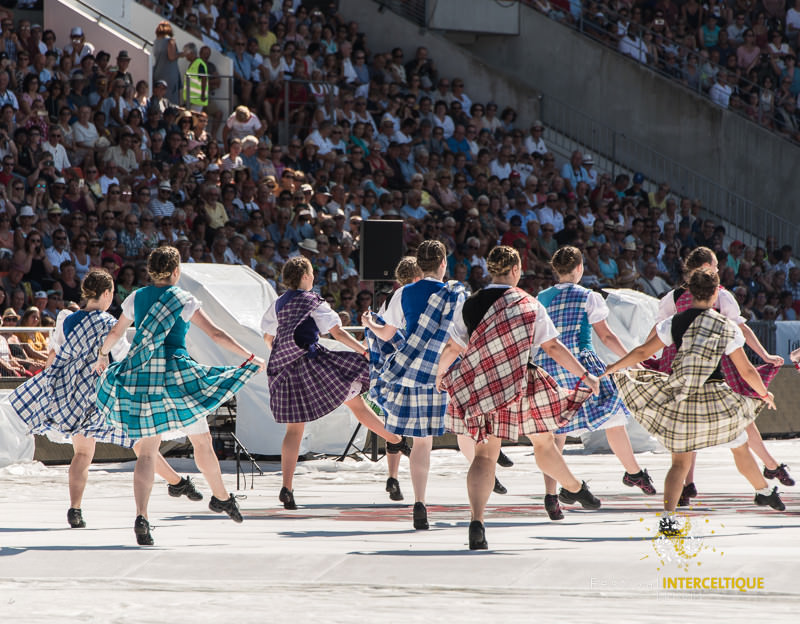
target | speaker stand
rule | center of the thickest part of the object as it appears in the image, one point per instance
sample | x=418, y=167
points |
x=242, y=449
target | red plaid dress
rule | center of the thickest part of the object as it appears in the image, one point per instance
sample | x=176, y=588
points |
x=494, y=390
x=663, y=364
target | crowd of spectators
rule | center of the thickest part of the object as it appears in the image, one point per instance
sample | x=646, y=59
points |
x=741, y=54
x=96, y=172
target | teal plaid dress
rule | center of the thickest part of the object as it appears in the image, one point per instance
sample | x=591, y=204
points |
x=155, y=389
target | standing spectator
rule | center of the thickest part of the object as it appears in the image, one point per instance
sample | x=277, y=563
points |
x=165, y=64
x=196, y=95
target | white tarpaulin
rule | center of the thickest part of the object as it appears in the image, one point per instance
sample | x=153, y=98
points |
x=787, y=338
x=632, y=315
x=16, y=444
x=236, y=298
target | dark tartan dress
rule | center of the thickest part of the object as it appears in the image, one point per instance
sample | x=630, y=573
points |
x=684, y=410
x=567, y=310
x=155, y=390
x=306, y=383
x=767, y=372
x=494, y=390
x=62, y=398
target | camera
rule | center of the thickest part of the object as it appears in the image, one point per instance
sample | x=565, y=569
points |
x=659, y=21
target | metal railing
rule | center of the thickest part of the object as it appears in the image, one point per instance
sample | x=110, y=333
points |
x=574, y=125
x=413, y=10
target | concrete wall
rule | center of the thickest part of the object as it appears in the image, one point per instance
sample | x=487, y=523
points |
x=62, y=15
x=484, y=82
x=631, y=99
x=480, y=16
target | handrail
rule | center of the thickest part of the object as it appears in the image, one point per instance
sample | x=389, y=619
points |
x=100, y=18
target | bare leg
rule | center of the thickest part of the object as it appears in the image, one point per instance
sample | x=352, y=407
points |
x=393, y=463
x=79, y=468
x=747, y=466
x=146, y=449
x=673, y=483
x=480, y=478
x=690, y=475
x=467, y=447
x=550, y=484
x=620, y=444
x=289, y=451
x=370, y=420
x=756, y=443
x=163, y=469
x=207, y=462
x=420, y=463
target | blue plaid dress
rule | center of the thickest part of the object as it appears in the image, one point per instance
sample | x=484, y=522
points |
x=305, y=384
x=151, y=391
x=62, y=398
x=405, y=385
x=567, y=310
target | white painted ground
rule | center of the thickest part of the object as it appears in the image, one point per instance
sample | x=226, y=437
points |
x=350, y=554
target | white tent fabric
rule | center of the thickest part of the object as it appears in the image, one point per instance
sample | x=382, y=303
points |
x=632, y=315
x=236, y=298
x=16, y=444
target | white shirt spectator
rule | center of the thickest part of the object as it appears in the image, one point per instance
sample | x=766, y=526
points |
x=535, y=147
x=105, y=182
x=56, y=257
x=551, y=216
x=324, y=145
x=499, y=169
x=84, y=134
x=633, y=47
x=60, y=158
x=720, y=94
x=161, y=209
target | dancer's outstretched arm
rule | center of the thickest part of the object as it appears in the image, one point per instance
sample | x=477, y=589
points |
x=609, y=338
x=384, y=332
x=752, y=341
x=451, y=351
x=563, y=356
x=642, y=352
x=117, y=332
x=346, y=339
x=222, y=338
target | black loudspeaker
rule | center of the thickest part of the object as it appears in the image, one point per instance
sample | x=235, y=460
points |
x=381, y=249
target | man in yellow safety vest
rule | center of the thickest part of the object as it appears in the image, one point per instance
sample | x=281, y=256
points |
x=196, y=83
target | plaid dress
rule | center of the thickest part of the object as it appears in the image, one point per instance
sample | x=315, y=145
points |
x=405, y=385
x=494, y=390
x=62, y=397
x=663, y=364
x=567, y=310
x=307, y=384
x=150, y=392
x=680, y=409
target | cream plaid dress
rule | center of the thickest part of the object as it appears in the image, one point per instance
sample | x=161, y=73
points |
x=683, y=410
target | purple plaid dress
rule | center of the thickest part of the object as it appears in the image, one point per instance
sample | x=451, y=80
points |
x=306, y=383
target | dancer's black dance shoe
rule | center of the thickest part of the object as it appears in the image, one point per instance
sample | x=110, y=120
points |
x=582, y=496
x=287, y=498
x=393, y=487
x=689, y=492
x=504, y=460
x=228, y=506
x=773, y=500
x=552, y=507
x=142, y=529
x=499, y=488
x=641, y=480
x=185, y=487
x=420, y=517
x=477, y=536
x=398, y=447
x=668, y=526
x=780, y=473
x=75, y=518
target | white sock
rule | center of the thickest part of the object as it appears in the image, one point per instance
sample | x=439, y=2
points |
x=765, y=491
x=670, y=515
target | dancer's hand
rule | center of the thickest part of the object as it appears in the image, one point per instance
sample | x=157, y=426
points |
x=101, y=364
x=440, y=381
x=366, y=318
x=593, y=383
x=261, y=363
x=775, y=360
x=770, y=400
x=795, y=356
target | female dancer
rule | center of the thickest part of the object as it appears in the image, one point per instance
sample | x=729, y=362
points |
x=158, y=388
x=60, y=401
x=690, y=409
x=680, y=300
x=306, y=380
x=575, y=311
x=405, y=386
x=408, y=272
x=497, y=394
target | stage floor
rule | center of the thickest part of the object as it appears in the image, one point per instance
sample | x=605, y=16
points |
x=350, y=553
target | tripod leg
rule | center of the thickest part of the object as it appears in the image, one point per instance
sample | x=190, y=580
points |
x=350, y=443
